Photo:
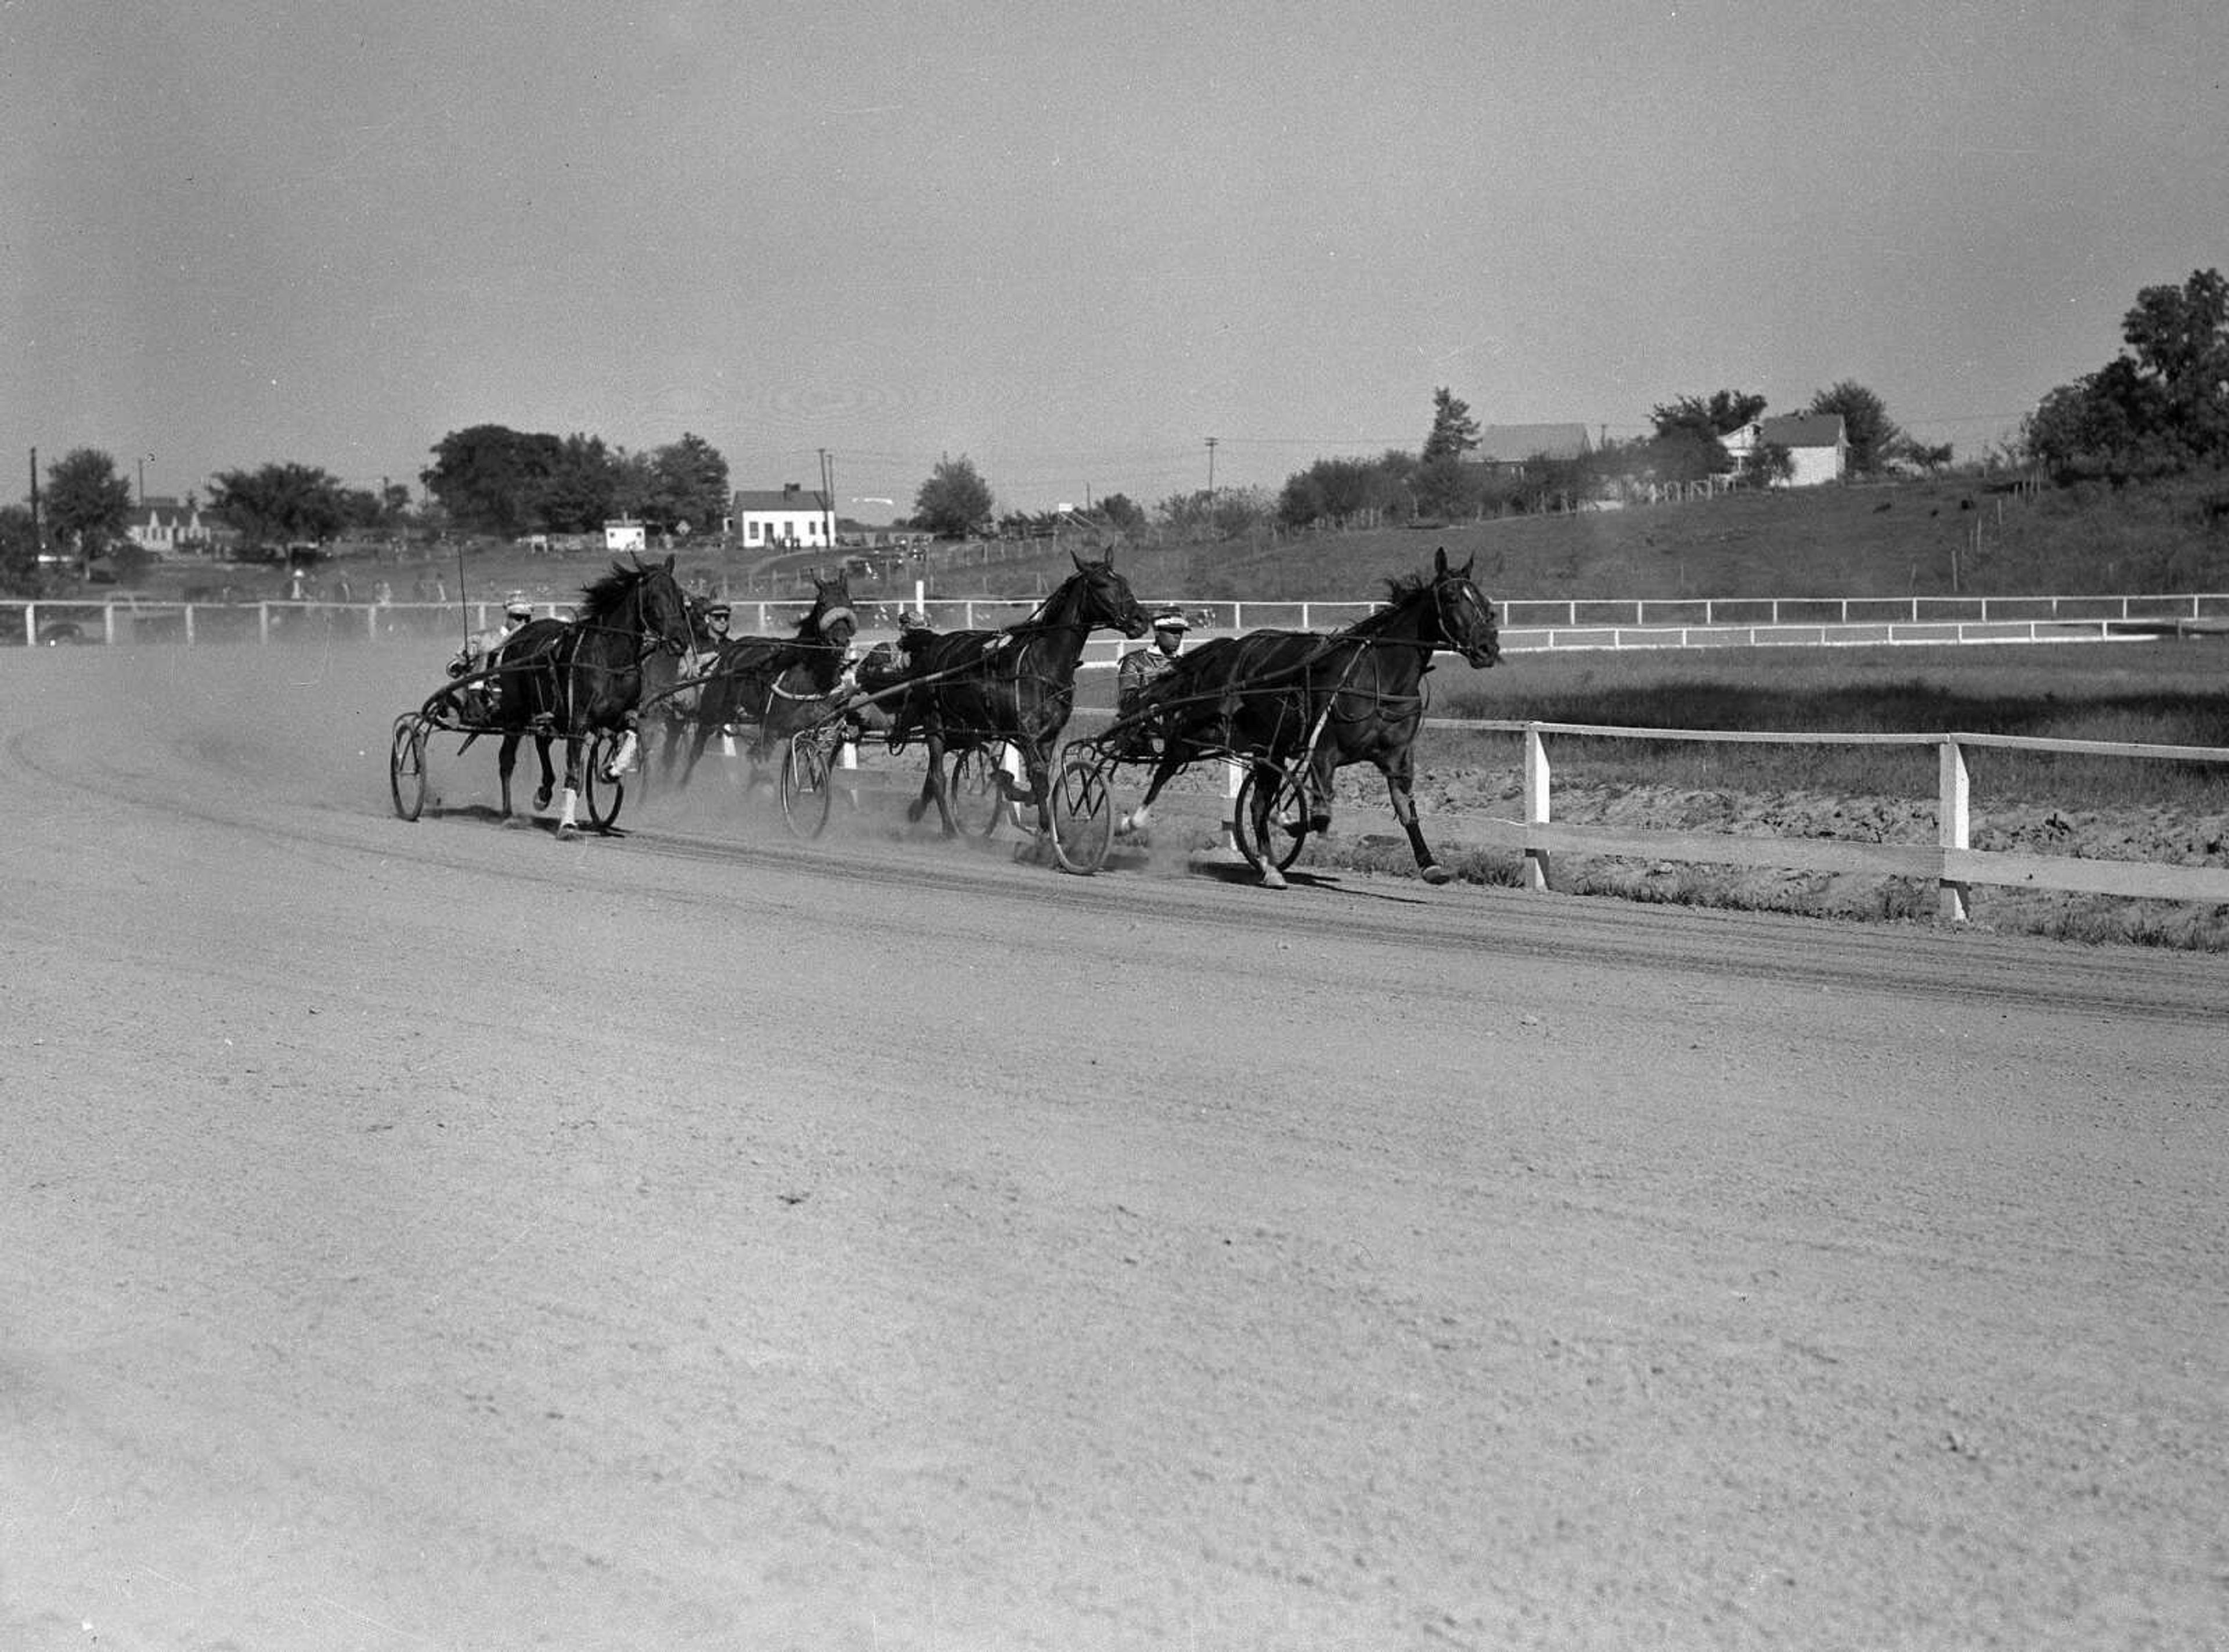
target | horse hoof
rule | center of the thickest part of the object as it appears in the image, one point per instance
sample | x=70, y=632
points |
x=542, y=798
x=1272, y=878
x=914, y=812
x=567, y=829
x=1436, y=875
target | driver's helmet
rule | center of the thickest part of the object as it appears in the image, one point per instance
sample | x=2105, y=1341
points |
x=1171, y=619
x=716, y=614
x=913, y=620
x=516, y=607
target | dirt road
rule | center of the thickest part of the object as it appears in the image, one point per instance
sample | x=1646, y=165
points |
x=440, y=1236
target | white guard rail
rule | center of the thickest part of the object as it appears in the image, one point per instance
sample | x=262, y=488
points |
x=1951, y=863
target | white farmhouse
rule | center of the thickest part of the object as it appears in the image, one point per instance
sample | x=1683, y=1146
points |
x=166, y=526
x=1816, y=445
x=625, y=534
x=793, y=517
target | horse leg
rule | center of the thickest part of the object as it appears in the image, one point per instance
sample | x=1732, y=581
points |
x=1400, y=781
x=549, y=775
x=932, y=785
x=1320, y=769
x=1037, y=766
x=507, y=759
x=1264, y=802
x=1138, y=819
x=623, y=761
x=569, y=825
x=700, y=733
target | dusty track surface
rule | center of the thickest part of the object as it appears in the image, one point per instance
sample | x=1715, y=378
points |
x=442, y=1236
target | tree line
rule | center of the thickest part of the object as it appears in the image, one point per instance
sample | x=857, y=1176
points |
x=2158, y=408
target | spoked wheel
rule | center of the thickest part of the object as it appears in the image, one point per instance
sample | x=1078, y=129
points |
x=979, y=799
x=603, y=792
x=406, y=765
x=806, y=788
x=1083, y=817
x=1272, y=814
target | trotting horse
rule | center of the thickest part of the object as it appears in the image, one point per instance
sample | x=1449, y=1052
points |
x=975, y=688
x=566, y=678
x=1355, y=695
x=779, y=683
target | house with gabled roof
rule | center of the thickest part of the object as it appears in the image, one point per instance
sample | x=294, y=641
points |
x=168, y=527
x=1817, y=447
x=791, y=517
x=1507, y=449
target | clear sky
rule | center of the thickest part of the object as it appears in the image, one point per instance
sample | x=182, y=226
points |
x=1068, y=241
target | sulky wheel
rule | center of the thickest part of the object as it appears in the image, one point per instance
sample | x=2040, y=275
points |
x=806, y=786
x=979, y=798
x=1083, y=817
x=603, y=791
x=1271, y=816
x=406, y=765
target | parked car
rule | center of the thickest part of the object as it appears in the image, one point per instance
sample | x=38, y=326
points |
x=54, y=633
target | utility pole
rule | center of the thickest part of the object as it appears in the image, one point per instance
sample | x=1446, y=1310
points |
x=1211, y=465
x=828, y=497
x=38, y=539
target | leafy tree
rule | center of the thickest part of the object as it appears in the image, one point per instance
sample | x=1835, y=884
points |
x=691, y=486
x=87, y=502
x=576, y=495
x=1122, y=513
x=1445, y=487
x=20, y=575
x=1334, y=490
x=955, y=501
x=2180, y=338
x=1454, y=432
x=2113, y=423
x=1873, y=436
x=493, y=480
x=281, y=504
x=1766, y=463
x=1716, y=416
x=1683, y=453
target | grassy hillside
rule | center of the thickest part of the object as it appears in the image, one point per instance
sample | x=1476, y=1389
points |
x=1912, y=538
x=1922, y=537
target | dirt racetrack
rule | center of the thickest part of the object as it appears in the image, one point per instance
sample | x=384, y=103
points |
x=440, y=1236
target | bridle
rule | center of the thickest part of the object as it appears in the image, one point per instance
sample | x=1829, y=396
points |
x=1465, y=596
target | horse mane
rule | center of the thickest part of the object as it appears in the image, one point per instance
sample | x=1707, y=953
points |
x=602, y=595
x=1401, y=589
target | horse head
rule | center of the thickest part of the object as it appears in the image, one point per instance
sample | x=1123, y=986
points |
x=664, y=607
x=831, y=621
x=1466, y=618
x=1107, y=599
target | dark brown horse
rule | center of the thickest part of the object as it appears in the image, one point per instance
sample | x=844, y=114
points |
x=776, y=684
x=975, y=689
x=1283, y=698
x=566, y=678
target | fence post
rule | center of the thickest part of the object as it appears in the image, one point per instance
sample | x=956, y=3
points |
x=1952, y=812
x=263, y=622
x=1536, y=804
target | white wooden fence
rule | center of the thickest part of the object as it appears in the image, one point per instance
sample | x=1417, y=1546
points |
x=1951, y=862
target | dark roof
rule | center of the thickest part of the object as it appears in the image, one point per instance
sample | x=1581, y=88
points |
x=777, y=498
x=1514, y=444
x=1802, y=430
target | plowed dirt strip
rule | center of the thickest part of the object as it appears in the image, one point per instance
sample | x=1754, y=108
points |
x=437, y=1235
